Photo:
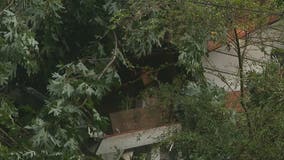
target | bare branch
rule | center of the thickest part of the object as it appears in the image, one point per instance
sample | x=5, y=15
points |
x=225, y=7
x=221, y=77
x=115, y=53
x=7, y=135
x=246, y=44
x=7, y=7
x=242, y=83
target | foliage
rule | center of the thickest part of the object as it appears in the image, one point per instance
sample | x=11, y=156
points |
x=73, y=54
x=209, y=129
x=180, y=23
x=70, y=116
x=212, y=131
x=265, y=103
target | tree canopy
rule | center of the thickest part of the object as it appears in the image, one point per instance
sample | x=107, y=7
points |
x=61, y=60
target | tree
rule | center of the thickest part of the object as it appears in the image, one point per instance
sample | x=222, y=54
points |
x=245, y=135
x=69, y=55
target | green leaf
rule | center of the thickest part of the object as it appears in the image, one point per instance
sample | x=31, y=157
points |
x=68, y=90
x=90, y=91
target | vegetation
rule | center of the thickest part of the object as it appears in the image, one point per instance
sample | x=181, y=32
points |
x=62, y=61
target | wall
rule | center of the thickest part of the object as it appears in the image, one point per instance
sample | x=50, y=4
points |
x=221, y=65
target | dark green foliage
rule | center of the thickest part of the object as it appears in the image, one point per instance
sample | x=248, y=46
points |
x=61, y=58
x=265, y=104
x=209, y=129
x=278, y=55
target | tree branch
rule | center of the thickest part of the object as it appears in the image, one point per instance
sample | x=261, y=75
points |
x=7, y=7
x=7, y=135
x=115, y=53
x=246, y=44
x=225, y=7
x=242, y=84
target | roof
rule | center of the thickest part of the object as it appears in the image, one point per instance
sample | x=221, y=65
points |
x=212, y=45
x=124, y=141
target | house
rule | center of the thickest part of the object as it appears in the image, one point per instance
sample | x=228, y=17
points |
x=222, y=64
